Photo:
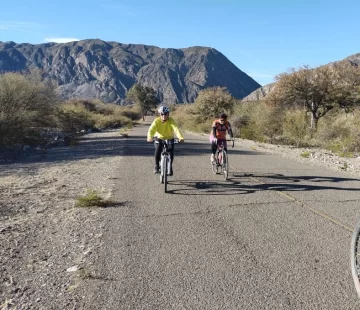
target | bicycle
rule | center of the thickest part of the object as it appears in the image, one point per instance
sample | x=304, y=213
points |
x=355, y=257
x=221, y=159
x=165, y=160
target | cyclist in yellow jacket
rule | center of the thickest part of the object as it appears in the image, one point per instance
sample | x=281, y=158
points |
x=163, y=127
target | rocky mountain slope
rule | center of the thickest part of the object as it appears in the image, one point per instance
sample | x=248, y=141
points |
x=259, y=93
x=106, y=70
x=262, y=91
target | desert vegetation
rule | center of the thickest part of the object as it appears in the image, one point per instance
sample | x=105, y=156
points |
x=32, y=115
x=306, y=107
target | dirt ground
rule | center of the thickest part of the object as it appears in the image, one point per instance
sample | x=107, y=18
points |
x=47, y=245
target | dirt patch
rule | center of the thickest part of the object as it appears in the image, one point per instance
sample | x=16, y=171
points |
x=47, y=245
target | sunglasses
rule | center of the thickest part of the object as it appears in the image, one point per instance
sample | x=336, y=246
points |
x=162, y=114
x=222, y=120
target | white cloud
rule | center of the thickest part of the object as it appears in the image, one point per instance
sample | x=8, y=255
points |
x=260, y=74
x=60, y=40
x=18, y=26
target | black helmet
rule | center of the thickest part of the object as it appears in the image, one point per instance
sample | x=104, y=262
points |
x=223, y=115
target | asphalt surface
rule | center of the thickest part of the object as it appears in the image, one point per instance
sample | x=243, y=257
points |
x=276, y=235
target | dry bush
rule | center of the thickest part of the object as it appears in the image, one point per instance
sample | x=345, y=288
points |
x=182, y=114
x=296, y=128
x=211, y=102
x=26, y=108
x=110, y=121
x=76, y=115
x=73, y=117
x=264, y=122
x=340, y=133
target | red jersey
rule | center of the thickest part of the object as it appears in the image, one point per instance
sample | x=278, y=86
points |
x=221, y=129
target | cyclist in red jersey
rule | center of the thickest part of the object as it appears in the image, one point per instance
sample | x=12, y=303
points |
x=218, y=133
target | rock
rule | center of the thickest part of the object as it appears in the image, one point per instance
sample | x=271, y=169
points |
x=73, y=269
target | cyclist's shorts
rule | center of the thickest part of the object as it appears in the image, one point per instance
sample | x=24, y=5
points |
x=211, y=138
x=220, y=141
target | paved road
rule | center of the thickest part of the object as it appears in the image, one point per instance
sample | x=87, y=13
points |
x=276, y=235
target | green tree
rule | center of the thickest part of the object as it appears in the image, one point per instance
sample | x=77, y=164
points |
x=143, y=96
x=210, y=102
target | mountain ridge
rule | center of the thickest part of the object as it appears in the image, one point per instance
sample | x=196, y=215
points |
x=262, y=91
x=106, y=70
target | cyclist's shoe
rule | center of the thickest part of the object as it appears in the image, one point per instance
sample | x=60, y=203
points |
x=156, y=169
x=212, y=159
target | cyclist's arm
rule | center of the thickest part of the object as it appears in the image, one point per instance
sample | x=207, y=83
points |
x=214, y=131
x=230, y=131
x=213, y=128
x=177, y=131
x=151, y=132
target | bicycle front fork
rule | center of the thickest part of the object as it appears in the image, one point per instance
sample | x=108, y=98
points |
x=163, y=159
x=219, y=158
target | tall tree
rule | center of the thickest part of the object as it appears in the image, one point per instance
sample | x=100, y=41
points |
x=317, y=90
x=144, y=97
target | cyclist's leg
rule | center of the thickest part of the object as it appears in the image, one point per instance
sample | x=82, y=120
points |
x=171, y=151
x=158, y=149
x=213, y=150
x=224, y=142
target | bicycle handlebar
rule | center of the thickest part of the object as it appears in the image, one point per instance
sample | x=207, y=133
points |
x=156, y=139
x=233, y=141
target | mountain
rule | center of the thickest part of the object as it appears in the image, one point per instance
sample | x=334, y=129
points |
x=92, y=69
x=262, y=91
x=259, y=93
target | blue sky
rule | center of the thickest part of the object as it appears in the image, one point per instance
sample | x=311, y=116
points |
x=261, y=37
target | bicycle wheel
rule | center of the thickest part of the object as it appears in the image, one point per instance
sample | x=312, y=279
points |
x=355, y=257
x=215, y=163
x=166, y=163
x=225, y=165
x=162, y=169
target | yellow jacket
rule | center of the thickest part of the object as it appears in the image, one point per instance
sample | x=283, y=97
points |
x=164, y=130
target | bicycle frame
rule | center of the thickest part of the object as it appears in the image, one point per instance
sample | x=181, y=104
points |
x=221, y=159
x=165, y=160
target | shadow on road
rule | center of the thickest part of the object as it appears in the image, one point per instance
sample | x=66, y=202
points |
x=238, y=184
x=90, y=147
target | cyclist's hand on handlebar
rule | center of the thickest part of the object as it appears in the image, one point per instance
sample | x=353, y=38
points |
x=181, y=140
x=149, y=140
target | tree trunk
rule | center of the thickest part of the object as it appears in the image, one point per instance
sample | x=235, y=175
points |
x=314, y=121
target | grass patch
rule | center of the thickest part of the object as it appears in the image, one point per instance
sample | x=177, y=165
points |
x=85, y=274
x=91, y=199
x=305, y=154
x=344, y=167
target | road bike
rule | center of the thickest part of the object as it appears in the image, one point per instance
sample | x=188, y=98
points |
x=221, y=159
x=355, y=257
x=165, y=160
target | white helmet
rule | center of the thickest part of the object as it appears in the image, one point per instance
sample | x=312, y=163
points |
x=163, y=110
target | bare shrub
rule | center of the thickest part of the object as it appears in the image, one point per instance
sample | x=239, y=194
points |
x=26, y=107
x=296, y=127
